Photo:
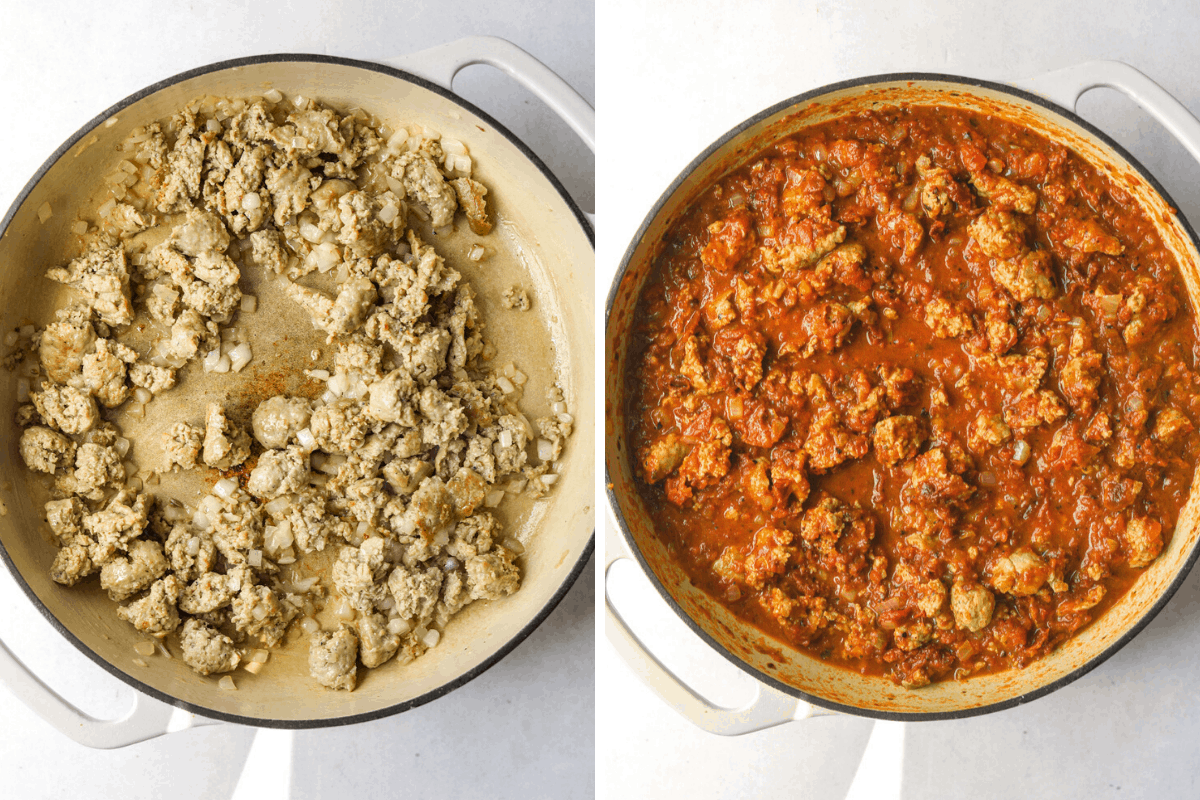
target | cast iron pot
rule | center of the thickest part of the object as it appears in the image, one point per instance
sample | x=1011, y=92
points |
x=540, y=234
x=792, y=684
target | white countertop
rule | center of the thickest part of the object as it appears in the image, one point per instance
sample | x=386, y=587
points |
x=677, y=76
x=524, y=728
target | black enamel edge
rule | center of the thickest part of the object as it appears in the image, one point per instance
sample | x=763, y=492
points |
x=615, y=507
x=508, y=647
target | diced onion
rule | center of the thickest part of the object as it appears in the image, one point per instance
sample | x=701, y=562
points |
x=134, y=484
x=22, y=390
x=545, y=449
x=144, y=648
x=311, y=232
x=104, y=210
x=342, y=609
x=506, y=438
x=225, y=488
x=431, y=638
x=338, y=383
x=493, y=498
x=559, y=407
x=260, y=656
x=1021, y=451
x=505, y=385
x=985, y=478
x=137, y=410
x=44, y=211
x=253, y=667
x=223, y=365
x=327, y=257
x=310, y=625
x=565, y=419
x=549, y=478
x=142, y=394
x=399, y=627
x=306, y=439
x=249, y=303
x=79, y=226
x=210, y=506
x=193, y=546
x=454, y=147
x=251, y=201
x=254, y=559
x=305, y=584
x=273, y=95
x=200, y=521
x=211, y=359
x=140, y=663
x=388, y=213
x=397, y=141
x=173, y=512
x=519, y=378
x=509, y=370
x=240, y=356
x=513, y=545
x=475, y=253
x=227, y=684
x=279, y=504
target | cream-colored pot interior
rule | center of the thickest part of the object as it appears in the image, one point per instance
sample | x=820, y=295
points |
x=540, y=242
x=774, y=661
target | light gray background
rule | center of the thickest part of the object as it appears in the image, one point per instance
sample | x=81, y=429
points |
x=683, y=73
x=523, y=729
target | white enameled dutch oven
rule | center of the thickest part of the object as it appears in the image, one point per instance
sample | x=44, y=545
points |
x=540, y=235
x=791, y=684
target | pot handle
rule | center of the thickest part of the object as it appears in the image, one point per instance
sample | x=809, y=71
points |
x=768, y=708
x=441, y=63
x=1066, y=86
x=148, y=718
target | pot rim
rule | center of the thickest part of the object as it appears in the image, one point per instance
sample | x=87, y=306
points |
x=585, y=555
x=609, y=483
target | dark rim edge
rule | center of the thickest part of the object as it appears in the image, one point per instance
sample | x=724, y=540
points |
x=507, y=647
x=623, y=268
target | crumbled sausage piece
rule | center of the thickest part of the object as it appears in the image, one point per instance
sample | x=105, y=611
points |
x=206, y=650
x=415, y=591
x=424, y=183
x=155, y=380
x=471, y=195
x=123, y=577
x=279, y=472
x=998, y=233
x=1021, y=573
x=66, y=408
x=358, y=574
x=987, y=431
x=492, y=575
x=516, y=298
x=332, y=656
x=63, y=347
x=44, y=450
x=1170, y=425
x=376, y=643
x=225, y=445
x=102, y=274
x=1143, y=541
x=948, y=320
x=181, y=444
x=897, y=439
x=1003, y=193
x=972, y=605
x=155, y=613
